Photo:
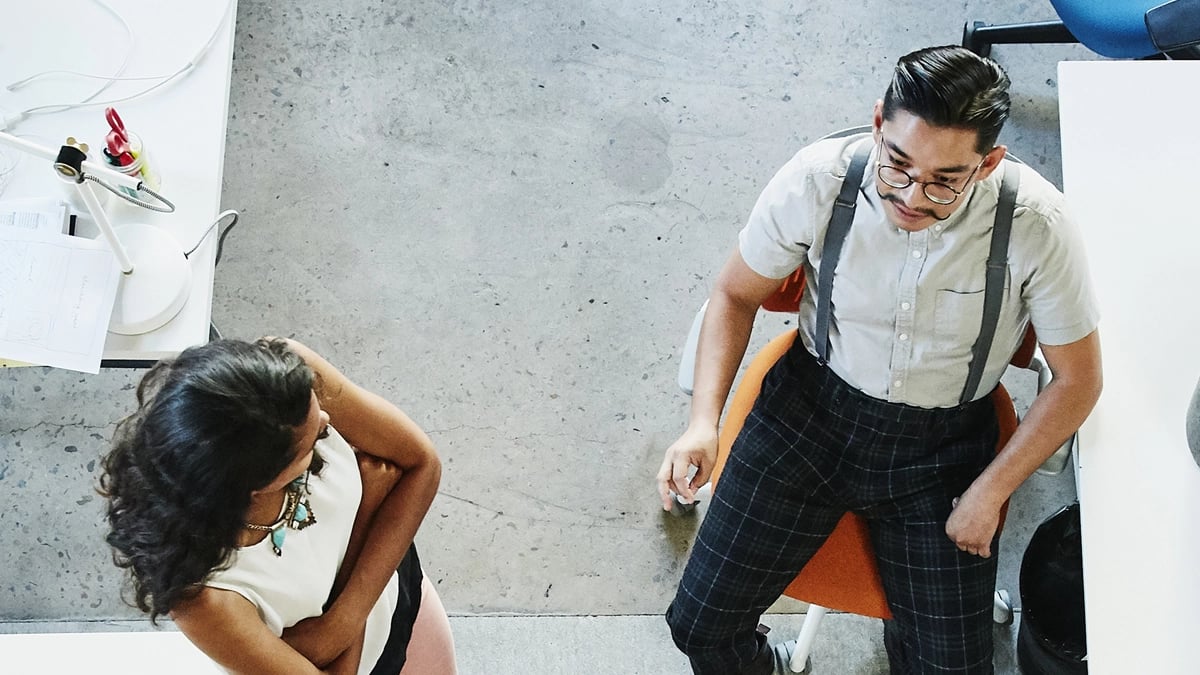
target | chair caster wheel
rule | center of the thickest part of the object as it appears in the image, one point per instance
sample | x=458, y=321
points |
x=1002, y=609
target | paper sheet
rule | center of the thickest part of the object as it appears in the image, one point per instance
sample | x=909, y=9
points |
x=56, y=298
x=48, y=216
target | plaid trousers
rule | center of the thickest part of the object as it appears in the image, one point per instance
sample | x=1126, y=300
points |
x=811, y=449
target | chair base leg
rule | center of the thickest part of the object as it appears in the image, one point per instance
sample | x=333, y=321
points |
x=979, y=36
x=973, y=41
x=800, y=661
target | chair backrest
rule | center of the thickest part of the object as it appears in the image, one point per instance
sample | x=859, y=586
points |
x=1126, y=29
x=1113, y=28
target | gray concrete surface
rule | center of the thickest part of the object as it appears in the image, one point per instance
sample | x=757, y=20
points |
x=628, y=645
x=502, y=216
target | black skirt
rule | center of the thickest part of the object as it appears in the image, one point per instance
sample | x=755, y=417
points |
x=408, y=603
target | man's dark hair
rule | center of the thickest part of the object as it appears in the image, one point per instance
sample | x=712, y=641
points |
x=951, y=87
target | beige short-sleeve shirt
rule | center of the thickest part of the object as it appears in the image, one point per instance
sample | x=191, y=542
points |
x=907, y=306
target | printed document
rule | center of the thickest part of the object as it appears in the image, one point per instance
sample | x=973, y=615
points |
x=38, y=215
x=56, y=298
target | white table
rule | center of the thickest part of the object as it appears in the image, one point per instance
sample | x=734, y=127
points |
x=128, y=653
x=1131, y=153
x=182, y=123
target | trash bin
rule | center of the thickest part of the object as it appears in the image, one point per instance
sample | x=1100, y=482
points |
x=1052, y=637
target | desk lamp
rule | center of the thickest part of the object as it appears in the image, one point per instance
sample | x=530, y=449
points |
x=155, y=277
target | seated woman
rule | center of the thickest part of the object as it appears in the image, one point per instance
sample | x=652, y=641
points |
x=277, y=542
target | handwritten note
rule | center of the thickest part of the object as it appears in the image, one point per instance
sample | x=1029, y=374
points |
x=56, y=298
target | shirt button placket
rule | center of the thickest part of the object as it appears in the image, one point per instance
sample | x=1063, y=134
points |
x=902, y=336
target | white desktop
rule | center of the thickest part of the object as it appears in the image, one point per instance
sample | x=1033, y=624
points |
x=1130, y=149
x=182, y=124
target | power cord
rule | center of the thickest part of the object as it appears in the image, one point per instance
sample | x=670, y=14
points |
x=221, y=239
x=214, y=333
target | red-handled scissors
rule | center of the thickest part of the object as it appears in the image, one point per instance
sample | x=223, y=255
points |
x=117, y=140
x=116, y=124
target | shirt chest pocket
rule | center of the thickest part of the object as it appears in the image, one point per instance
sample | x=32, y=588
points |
x=956, y=318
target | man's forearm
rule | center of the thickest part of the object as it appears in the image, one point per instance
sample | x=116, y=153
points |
x=1057, y=412
x=722, y=344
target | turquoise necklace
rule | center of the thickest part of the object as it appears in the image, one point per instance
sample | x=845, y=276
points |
x=296, y=514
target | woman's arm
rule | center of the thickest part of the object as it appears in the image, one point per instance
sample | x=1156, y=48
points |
x=376, y=427
x=378, y=480
x=312, y=637
x=227, y=628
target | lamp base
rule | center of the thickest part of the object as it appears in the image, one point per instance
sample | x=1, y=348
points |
x=159, y=285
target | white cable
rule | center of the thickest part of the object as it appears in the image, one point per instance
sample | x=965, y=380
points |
x=124, y=63
x=21, y=83
x=87, y=102
x=128, y=54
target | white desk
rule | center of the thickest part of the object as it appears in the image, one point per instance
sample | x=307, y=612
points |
x=1131, y=153
x=182, y=123
x=140, y=653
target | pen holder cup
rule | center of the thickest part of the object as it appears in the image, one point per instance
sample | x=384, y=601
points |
x=141, y=167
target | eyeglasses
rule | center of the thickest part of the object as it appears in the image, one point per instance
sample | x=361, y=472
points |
x=938, y=193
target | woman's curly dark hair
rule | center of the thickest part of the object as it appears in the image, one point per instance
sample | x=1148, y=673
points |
x=212, y=425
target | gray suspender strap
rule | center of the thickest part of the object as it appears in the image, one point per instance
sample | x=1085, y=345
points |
x=993, y=290
x=839, y=225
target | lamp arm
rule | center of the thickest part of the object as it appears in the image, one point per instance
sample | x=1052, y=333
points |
x=71, y=165
x=88, y=166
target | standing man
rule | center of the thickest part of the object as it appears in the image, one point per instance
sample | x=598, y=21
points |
x=880, y=417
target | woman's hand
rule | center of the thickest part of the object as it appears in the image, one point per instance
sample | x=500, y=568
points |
x=321, y=639
x=378, y=478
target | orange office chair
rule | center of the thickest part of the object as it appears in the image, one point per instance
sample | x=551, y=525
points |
x=843, y=575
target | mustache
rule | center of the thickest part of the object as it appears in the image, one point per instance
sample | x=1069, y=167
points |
x=896, y=200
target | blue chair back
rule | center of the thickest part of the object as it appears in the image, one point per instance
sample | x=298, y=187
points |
x=1112, y=28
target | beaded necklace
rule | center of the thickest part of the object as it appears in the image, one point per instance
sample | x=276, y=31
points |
x=295, y=514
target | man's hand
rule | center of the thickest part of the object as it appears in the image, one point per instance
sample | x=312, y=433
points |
x=972, y=524
x=695, y=448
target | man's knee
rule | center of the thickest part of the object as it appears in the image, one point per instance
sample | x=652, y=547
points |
x=685, y=630
x=715, y=646
x=961, y=649
x=693, y=633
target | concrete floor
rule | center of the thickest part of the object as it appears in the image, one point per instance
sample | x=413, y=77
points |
x=502, y=216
